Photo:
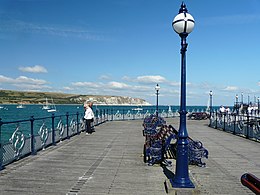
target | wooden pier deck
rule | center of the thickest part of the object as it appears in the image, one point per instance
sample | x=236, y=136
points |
x=110, y=162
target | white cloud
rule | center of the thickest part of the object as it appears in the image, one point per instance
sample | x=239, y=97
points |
x=25, y=83
x=31, y=87
x=34, y=69
x=68, y=88
x=231, y=88
x=117, y=85
x=112, y=87
x=87, y=84
x=24, y=79
x=151, y=79
x=4, y=79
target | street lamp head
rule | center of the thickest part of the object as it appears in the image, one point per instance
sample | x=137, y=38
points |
x=157, y=87
x=183, y=23
x=210, y=93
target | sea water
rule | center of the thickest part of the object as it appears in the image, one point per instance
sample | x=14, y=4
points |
x=9, y=113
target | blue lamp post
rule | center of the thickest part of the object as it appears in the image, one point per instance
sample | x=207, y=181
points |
x=157, y=88
x=182, y=24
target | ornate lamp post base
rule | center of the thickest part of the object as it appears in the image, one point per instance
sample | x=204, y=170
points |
x=181, y=179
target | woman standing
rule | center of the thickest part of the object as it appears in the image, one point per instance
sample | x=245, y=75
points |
x=89, y=117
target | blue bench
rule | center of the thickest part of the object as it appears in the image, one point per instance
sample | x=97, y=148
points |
x=161, y=138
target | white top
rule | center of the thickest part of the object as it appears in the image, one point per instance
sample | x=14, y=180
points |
x=89, y=113
x=222, y=109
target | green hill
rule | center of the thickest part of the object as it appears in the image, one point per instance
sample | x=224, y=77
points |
x=15, y=97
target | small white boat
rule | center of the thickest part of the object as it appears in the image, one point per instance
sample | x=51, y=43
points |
x=52, y=107
x=46, y=106
x=137, y=109
x=20, y=106
x=169, y=109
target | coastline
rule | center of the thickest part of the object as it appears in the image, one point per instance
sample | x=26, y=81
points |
x=83, y=103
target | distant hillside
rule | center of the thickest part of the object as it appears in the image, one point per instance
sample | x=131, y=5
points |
x=15, y=97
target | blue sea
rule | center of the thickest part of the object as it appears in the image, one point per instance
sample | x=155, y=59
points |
x=10, y=113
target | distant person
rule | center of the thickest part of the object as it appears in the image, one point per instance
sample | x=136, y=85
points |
x=228, y=110
x=222, y=109
x=250, y=109
x=89, y=117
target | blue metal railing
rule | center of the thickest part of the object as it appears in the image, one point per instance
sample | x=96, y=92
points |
x=26, y=137
x=245, y=125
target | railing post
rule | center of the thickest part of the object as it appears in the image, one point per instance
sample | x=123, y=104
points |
x=247, y=127
x=96, y=114
x=67, y=121
x=123, y=115
x=216, y=125
x=77, y=122
x=224, y=125
x=112, y=115
x=234, y=130
x=53, y=130
x=101, y=116
x=210, y=122
x=1, y=146
x=33, y=151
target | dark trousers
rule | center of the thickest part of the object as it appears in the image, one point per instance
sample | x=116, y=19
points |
x=88, y=126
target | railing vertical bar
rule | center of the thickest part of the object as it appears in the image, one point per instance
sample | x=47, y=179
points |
x=216, y=125
x=97, y=121
x=53, y=129
x=67, y=124
x=33, y=151
x=234, y=129
x=247, y=127
x=224, y=124
x=77, y=122
x=101, y=117
x=1, y=146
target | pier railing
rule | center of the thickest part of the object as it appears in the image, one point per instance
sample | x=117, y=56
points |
x=245, y=125
x=26, y=137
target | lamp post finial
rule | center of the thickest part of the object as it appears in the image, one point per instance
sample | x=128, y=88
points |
x=183, y=8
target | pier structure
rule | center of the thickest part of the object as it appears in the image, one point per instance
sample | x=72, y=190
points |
x=245, y=125
x=110, y=161
x=25, y=137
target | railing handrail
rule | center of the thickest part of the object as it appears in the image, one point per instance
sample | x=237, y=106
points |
x=40, y=118
x=48, y=134
x=246, y=125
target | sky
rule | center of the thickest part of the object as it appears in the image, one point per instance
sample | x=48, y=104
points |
x=126, y=47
